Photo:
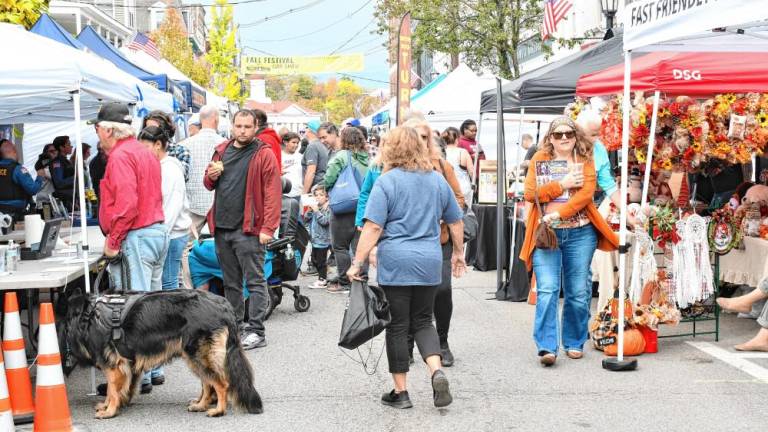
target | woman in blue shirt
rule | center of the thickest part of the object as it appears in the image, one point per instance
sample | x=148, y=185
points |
x=403, y=215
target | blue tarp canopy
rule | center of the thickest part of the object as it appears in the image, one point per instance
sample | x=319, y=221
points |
x=99, y=46
x=45, y=26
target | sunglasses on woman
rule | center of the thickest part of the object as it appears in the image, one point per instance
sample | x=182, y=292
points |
x=564, y=135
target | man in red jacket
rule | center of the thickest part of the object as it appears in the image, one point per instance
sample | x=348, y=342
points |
x=268, y=135
x=245, y=214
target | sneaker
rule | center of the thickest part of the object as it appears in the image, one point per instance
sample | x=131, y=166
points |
x=253, y=340
x=158, y=380
x=440, y=392
x=146, y=388
x=397, y=400
x=319, y=284
x=338, y=289
x=447, y=355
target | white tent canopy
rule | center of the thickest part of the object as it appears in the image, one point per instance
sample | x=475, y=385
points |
x=448, y=100
x=34, y=87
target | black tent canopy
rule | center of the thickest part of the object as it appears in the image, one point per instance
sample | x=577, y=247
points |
x=550, y=88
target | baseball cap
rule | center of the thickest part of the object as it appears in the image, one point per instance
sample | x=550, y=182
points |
x=313, y=125
x=113, y=112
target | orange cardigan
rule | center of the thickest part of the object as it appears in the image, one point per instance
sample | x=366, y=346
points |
x=580, y=199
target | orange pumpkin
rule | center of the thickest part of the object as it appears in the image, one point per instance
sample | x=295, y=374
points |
x=634, y=344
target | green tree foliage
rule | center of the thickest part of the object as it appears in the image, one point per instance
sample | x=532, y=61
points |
x=22, y=12
x=173, y=43
x=336, y=99
x=223, y=52
x=486, y=33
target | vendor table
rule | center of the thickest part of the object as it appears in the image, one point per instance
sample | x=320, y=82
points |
x=747, y=266
x=481, y=252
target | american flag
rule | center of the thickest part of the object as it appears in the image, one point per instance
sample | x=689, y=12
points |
x=554, y=11
x=141, y=42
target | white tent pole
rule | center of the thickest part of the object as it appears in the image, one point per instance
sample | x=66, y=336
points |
x=514, y=189
x=624, y=187
x=649, y=155
x=83, y=219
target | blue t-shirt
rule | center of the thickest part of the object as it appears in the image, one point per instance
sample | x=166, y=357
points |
x=603, y=169
x=409, y=207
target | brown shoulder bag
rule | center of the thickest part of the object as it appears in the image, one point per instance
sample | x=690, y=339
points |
x=545, y=235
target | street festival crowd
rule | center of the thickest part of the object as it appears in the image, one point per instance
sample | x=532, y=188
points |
x=414, y=189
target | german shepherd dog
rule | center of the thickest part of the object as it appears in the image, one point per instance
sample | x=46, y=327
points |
x=160, y=326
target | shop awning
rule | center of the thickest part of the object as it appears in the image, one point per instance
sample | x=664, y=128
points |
x=689, y=73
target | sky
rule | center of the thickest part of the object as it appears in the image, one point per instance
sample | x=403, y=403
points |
x=350, y=33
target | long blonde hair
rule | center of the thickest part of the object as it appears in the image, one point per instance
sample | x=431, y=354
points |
x=432, y=148
x=404, y=150
x=583, y=146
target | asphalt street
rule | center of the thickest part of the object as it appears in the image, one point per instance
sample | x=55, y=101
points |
x=308, y=384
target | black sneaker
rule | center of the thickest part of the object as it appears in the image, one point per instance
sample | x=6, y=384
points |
x=146, y=388
x=253, y=340
x=397, y=400
x=440, y=392
x=160, y=380
x=445, y=352
x=311, y=270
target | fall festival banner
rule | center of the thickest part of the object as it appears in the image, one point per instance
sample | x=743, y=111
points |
x=294, y=65
x=404, y=60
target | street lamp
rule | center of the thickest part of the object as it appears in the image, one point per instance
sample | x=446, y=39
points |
x=609, y=8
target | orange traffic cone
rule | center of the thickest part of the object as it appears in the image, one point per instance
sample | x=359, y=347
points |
x=16, y=372
x=52, y=414
x=6, y=416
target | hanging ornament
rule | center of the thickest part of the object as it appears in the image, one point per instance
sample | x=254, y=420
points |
x=685, y=196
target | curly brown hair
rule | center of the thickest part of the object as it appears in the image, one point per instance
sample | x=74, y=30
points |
x=583, y=145
x=352, y=139
x=404, y=150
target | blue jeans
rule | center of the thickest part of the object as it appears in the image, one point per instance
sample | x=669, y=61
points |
x=173, y=262
x=144, y=252
x=568, y=265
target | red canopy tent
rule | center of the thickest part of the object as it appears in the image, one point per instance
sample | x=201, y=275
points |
x=690, y=74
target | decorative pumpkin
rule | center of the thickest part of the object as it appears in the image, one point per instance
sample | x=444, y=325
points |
x=634, y=344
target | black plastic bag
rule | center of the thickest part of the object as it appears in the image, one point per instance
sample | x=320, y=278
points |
x=366, y=316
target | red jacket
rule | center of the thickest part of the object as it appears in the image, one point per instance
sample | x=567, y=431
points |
x=131, y=191
x=273, y=140
x=262, y=191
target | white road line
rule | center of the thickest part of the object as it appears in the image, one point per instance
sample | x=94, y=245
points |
x=735, y=360
x=751, y=355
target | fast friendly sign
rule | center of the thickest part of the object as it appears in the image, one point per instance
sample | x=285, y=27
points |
x=647, y=22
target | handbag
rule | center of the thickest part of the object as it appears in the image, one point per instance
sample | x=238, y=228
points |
x=545, y=236
x=342, y=199
x=366, y=316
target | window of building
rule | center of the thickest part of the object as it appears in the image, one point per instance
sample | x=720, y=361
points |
x=156, y=15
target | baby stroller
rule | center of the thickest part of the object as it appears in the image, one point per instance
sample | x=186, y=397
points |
x=281, y=263
x=284, y=255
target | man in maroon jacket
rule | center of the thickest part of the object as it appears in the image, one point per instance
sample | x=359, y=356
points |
x=245, y=214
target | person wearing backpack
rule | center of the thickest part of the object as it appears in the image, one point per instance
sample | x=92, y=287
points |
x=343, y=178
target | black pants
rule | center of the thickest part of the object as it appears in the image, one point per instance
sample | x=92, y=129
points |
x=411, y=308
x=342, y=234
x=242, y=257
x=320, y=260
x=444, y=297
x=443, y=309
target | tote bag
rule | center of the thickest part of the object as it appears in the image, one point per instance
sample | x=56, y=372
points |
x=366, y=316
x=343, y=197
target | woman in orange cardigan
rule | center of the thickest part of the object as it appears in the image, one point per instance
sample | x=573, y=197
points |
x=568, y=208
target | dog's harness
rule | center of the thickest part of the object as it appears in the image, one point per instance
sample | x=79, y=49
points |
x=109, y=310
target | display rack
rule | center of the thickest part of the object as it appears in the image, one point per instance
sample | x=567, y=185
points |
x=702, y=311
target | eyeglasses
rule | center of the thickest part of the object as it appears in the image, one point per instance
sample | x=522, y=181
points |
x=564, y=135
x=472, y=130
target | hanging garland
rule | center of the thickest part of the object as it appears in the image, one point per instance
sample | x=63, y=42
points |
x=691, y=134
